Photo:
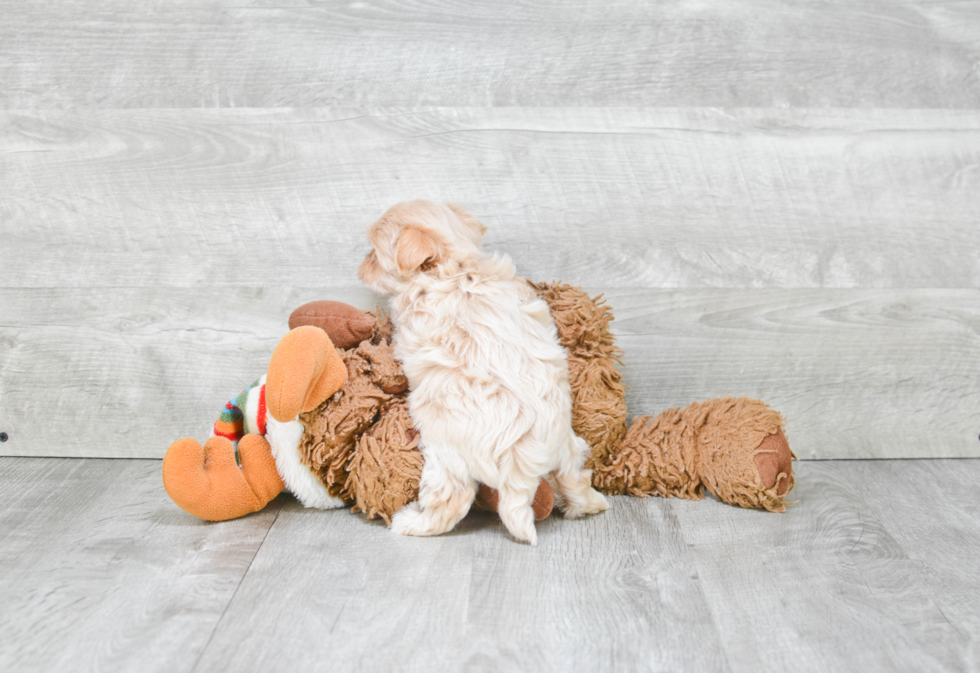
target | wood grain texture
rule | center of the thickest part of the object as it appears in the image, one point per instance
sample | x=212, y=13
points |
x=613, y=592
x=623, y=198
x=778, y=198
x=836, y=584
x=99, y=571
x=857, y=373
x=123, y=372
x=941, y=523
x=651, y=585
x=873, y=569
x=740, y=53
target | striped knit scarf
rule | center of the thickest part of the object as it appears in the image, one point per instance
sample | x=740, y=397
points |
x=243, y=415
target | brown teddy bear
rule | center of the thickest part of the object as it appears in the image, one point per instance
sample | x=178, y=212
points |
x=332, y=426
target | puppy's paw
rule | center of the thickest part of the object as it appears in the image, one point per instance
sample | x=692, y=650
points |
x=406, y=520
x=520, y=522
x=593, y=503
x=530, y=536
x=523, y=530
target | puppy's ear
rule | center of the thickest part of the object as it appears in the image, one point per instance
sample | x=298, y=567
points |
x=369, y=269
x=416, y=247
x=475, y=227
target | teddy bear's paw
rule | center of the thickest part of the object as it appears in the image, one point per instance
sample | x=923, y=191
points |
x=774, y=460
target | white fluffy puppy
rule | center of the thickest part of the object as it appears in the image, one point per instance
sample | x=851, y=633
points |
x=488, y=377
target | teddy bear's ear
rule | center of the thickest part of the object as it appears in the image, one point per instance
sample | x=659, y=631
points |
x=417, y=247
x=345, y=325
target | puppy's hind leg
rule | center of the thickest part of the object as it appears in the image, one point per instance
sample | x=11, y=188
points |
x=445, y=496
x=514, y=509
x=576, y=495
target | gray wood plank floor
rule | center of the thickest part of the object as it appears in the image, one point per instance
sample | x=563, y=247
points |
x=99, y=571
x=873, y=570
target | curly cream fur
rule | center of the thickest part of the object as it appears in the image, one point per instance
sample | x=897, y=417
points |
x=489, y=389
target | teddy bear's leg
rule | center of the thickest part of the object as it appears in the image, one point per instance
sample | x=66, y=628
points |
x=445, y=496
x=745, y=459
x=207, y=482
x=576, y=495
x=304, y=370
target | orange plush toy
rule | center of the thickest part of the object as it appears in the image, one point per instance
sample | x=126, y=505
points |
x=207, y=481
x=338, y=432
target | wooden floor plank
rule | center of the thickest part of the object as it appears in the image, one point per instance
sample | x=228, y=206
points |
x=99, y=570
x=650, y=585
x=828, y=587
x=262, y=53
x=645, y=198
x=873, y=569
x=857, y=373
x=938, y=527
x=607, y=593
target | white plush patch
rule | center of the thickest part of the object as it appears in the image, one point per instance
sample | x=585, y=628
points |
x=284, y=439
x=251, y=410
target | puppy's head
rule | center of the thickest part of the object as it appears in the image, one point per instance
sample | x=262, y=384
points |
x=414, y=237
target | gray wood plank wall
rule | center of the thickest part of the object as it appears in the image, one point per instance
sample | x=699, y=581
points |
x=778, y=199
x=271, y=54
